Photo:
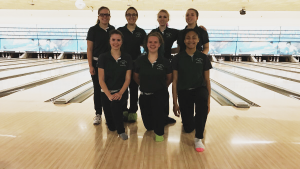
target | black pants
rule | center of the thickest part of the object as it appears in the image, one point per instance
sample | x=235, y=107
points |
x=97, y=90
x=187, y=99
x=167, y=108
x=133, y=93
x=113, y=112
x=153, y=111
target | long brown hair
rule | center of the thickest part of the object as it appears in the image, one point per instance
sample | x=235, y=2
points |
x=102, y=7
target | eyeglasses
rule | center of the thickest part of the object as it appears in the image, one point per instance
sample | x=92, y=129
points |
x=104, y=14
x=131, y=15
x=162, y=17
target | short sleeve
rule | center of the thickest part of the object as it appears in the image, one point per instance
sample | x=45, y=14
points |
x=143, y=36
x=101, y=61
x=168, y=66
x=180, y=40
x=175, y=63
x=91, y=35
x=205, y=38
x=207, y=65
x=130, y=64
x=175, y=34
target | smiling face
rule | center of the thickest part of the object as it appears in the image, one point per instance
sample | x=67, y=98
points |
x=191, y=40
x=115, y=41
x=191, y=17
x=162, y=18
x=153, y=44
x=104, y=16
x=131, y=16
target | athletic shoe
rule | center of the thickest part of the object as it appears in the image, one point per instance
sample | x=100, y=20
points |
x=199, y=145
x=97, y=119
x=159, y=138
x=132, y=117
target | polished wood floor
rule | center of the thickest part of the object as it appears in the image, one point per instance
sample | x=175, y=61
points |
x=43, y=135
x=38, y=135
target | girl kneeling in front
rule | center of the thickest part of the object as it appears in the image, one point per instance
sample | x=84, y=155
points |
x=114, y=77
x=191, y=85
x=153, y=73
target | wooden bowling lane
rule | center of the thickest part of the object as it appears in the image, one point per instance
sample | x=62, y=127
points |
x=10, y=83
x=50, y=136
x=251, y=91
x=46, y=91
x=282, y=83
x=284, y=64
x=19, y=62
x=267, y=70
x=289, y=69
x=35, y=135
x=17, y=66
x=36, y=68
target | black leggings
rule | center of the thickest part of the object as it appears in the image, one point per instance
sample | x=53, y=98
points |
x=97, y=90
x=113, y=112
x=187, y=99
x=133, y=93
x=153, y=110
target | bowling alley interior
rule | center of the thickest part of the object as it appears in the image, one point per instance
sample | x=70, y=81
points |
x=47, y=96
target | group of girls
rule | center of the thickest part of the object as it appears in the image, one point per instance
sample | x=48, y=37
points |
x=119, y=65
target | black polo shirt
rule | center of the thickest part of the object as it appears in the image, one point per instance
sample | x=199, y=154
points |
x=190, y=69
x=170, y=36
x=133, y=41
x=114, y=71
x=202, y=34
x=152, y=76
x=100, y=39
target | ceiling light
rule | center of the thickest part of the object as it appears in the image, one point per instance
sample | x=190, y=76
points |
x=80, y=4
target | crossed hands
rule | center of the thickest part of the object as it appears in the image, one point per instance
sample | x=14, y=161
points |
x=116, y=96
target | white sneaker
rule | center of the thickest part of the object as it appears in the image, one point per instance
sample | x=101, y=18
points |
x=199, y=145
x=97, y=119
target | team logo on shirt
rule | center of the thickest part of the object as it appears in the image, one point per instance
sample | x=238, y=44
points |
x=168, y=35
x=199, y=60
x=160, y=67
x=138, y=34
x=123, y=63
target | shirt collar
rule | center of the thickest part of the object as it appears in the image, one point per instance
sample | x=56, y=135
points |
x=193, y=28
x=106, y=29
x=114, y=58
x=136, y=27
x=163, y=31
